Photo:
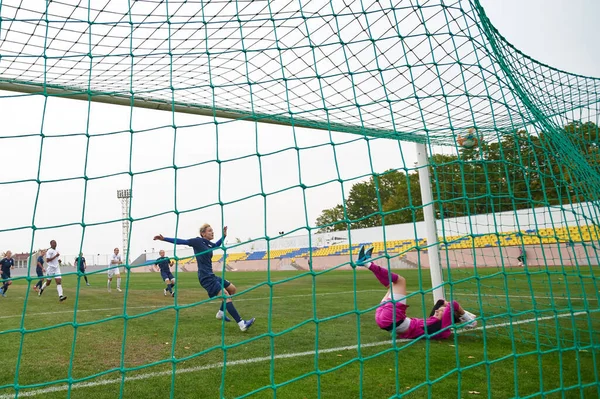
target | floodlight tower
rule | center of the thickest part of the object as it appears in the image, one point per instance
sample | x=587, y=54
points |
x=125, y=197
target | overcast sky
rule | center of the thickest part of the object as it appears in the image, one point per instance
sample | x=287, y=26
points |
x=560, y=33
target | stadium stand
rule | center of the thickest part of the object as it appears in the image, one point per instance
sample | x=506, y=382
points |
x=515, y=238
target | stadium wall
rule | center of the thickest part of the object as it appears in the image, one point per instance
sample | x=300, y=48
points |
x=577, y=214
x=536, y=255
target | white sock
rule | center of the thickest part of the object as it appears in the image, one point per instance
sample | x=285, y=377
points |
x=108, y=284
x=44, y=285
x=220, y=313
x=59, y=289
x=118, y=283
x=242, y=323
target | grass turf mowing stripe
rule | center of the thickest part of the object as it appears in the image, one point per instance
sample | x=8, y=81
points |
x=282, y=297
x=184, y=304
x=79, y=385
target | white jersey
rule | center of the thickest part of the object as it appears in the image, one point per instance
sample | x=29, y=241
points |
x=114, y=268
x=116, y=258
x=51, y=253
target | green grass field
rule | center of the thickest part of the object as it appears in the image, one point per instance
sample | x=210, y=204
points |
x=541, y=335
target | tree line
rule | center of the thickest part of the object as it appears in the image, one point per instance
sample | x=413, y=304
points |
x=517, y=171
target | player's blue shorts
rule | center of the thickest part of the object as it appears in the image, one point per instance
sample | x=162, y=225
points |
x=5, y=274
x=213, y=286
x=166, y=275
x=39, y=271
x=82, y=270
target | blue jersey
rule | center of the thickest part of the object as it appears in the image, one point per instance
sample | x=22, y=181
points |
x=163, y=264
x=40, y=262
x=7, y=263
x=203, y=249
x=80, y=262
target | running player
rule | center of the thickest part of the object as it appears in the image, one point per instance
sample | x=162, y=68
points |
x=6, y=264
x=53, y=271
x=81, y=266
x=214, y=285
x=39, y=270
x=164, y=265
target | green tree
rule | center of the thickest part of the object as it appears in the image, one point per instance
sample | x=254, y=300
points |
x=366, y=200
x=520, y=170
x=404, y=205
x=331, y=220
x=585, y=136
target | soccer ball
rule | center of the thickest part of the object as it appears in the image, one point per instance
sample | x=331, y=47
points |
x=469, y=140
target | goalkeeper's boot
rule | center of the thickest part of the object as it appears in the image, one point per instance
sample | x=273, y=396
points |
x=468, y=318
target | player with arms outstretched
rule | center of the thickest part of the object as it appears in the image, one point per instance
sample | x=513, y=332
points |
x=164, y=265
x=394, y=301
x=53, y=271
x=214, y=285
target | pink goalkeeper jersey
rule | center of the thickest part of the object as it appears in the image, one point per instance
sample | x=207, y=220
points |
x=416, y=328
x=411, y=328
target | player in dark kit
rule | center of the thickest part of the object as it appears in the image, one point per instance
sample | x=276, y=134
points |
x=164, y=264
x=214, y=285
x=522, y=258
x=39, y=270
x=6, y=264
x=81, y=266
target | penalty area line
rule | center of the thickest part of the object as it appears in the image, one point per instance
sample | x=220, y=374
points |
x=145, y=376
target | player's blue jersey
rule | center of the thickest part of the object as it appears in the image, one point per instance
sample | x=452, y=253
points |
x=163, y=264
x=40, y=262
x=80, y=262
x=6, y=264
x=203, y=249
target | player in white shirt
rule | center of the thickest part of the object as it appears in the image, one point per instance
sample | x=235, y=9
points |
x=53, y=271
x=115, y=261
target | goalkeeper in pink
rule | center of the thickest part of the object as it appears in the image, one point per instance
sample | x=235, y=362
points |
x=394, y=304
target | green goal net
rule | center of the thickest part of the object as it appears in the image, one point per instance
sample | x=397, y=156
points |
x=310, y=128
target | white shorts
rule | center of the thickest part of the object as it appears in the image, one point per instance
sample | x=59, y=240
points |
x=52, y=272
x=397, y=297
x=113, y=271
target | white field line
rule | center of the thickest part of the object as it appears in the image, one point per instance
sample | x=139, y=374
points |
x=145, y=376
x=530, y=296
x=277, y=297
